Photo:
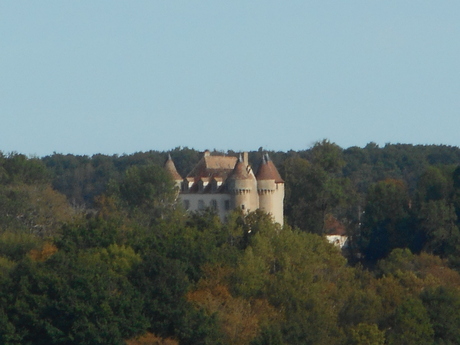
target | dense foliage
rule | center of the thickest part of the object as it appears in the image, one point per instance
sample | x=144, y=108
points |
x=95, y=250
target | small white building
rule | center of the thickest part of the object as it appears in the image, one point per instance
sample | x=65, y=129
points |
x=340, y=241
x=225, y=183
x=336, y=232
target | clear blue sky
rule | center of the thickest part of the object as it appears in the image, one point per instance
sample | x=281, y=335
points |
x=88, y=77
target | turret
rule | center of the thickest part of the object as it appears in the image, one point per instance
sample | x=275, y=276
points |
x=172, y=171
x=270, y=188
x=242, y=185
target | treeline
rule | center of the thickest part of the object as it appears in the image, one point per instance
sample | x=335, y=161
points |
x=95, y=250
x=396, y=196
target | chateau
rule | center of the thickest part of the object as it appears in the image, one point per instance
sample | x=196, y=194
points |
x=225, y=183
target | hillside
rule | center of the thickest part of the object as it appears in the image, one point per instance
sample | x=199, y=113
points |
x=95, y=250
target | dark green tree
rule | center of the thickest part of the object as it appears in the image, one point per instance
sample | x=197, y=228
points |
x=311, y=194
x=433, y=185
x=438, y=222
x=443, y=306
x=387, y=222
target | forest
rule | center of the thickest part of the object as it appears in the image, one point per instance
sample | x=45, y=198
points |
x=97, y=250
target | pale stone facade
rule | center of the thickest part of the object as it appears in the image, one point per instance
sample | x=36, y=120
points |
x=226, y=183
x=340, y=241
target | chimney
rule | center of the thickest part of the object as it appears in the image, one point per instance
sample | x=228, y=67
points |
x=207, y=153
x=246, y=158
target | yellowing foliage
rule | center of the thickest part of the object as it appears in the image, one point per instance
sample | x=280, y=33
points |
x=151, y=339
x=43, y=254
x=240, y=319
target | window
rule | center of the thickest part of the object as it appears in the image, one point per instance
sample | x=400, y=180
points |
x=242, y=207
x=214, y=204
x=200, y=204
x=227, y=205
x=186, y=204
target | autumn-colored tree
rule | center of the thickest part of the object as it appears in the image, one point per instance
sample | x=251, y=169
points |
x=298, y=274
x=151, y=339
x=240, y=319
x=47, y=250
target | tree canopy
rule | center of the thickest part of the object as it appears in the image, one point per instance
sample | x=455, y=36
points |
x=96, y=250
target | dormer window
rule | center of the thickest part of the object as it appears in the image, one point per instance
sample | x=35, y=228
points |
x=187, y=184
x=216, y=182
x=202, y=183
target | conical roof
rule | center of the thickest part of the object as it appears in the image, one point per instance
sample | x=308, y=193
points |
x=268, y=171
x=171, y=169
x=240, y=171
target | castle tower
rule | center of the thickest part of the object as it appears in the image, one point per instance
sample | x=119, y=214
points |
x=242, y=185
x=270, y=188
x=172, y=171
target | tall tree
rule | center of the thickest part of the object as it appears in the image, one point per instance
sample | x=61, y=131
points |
x=387, y=222
x=328, y=156
x=147, y=192
x=311, y=194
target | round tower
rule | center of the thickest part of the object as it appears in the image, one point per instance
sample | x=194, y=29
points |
x=270, y=188
x=242, y=185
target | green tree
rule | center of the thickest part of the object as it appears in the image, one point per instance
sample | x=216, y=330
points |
x=36, y=209
x=411, y=325
x=456, y=190
x=387, y=223
x=311, y=194
x=443, y=306
x=367, y=334
x=297, y=272
x=328, y=156
x=147, y=192
x=18, y=168
x=163, y=283
x=70, y=299
x=433, y=185
x=438, y=222
x=15, y=245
